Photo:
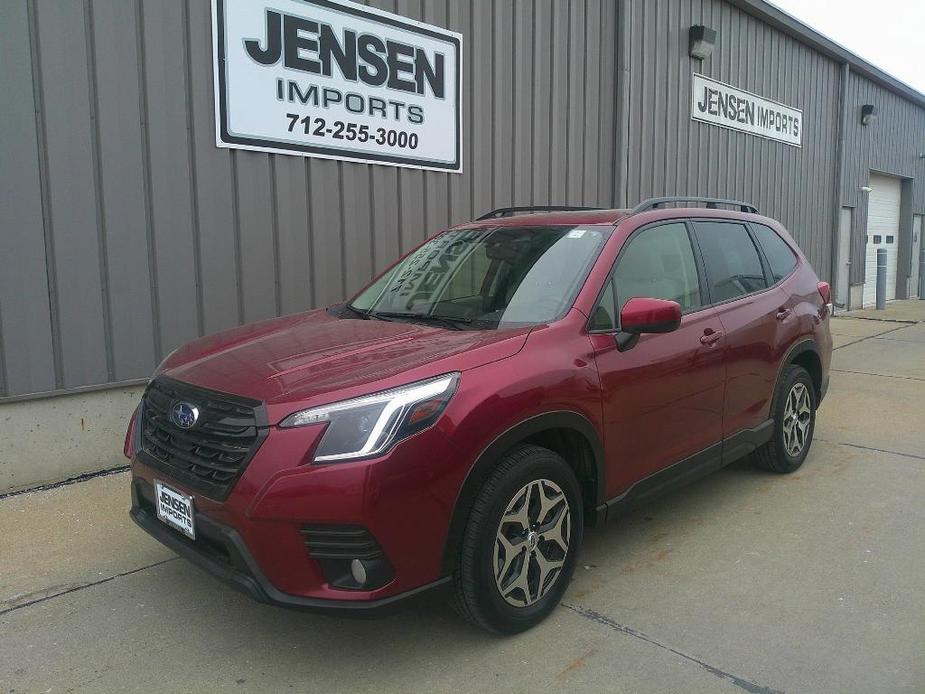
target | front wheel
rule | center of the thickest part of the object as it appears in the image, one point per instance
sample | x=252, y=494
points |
x=794, y=422
x=520, y=543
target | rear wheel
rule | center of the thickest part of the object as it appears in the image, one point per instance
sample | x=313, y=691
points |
x=520, y=543
x=794, y=422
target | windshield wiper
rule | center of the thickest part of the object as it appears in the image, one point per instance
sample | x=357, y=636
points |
x=450, y=322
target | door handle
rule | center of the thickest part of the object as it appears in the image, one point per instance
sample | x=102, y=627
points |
x=783, y=312
x=710, y=337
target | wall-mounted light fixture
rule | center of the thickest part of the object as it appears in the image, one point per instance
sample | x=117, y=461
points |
x=868, y=114
x=866, y=189
x=702, y=40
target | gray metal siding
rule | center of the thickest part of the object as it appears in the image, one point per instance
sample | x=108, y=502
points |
x=121, y=185
x=126, y=232
x=72, y=231
x=668, y=153
x=27, y=362
x=892, y=145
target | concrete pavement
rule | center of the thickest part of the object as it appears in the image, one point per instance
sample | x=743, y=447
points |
x=903, y=310
x=744, y=581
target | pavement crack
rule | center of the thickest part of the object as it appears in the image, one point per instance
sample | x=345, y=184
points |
x=70, y=480
x=868, y=373
x=873, y=449
x=82, y=586
x=735, y=680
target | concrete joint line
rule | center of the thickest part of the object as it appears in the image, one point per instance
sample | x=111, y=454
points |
x=869, y=373
x=914, y=456
x=907, y=321
x=83, y=586
x=735, y=680
x=871, y=337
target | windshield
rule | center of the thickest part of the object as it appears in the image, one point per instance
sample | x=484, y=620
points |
x=486, y=277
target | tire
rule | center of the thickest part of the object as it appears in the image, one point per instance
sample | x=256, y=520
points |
x=791, y=440
x=489, y=590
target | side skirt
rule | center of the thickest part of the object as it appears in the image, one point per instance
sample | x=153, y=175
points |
x=685, y=471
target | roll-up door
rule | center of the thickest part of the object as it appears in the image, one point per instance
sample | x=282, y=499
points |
x=882, y=232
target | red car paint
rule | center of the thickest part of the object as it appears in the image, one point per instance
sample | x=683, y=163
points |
x=669, y=397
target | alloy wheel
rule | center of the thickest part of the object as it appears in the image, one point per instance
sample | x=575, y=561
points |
x=532, y=542
x=798, y=415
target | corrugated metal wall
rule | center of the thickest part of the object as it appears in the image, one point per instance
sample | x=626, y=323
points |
x=668, y=153
x=126, y=232
x=892, y=145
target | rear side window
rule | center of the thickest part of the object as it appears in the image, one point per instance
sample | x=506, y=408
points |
x=780, y=257
x=732, y=262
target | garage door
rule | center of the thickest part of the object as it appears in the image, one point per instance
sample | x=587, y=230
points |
x=882, y=232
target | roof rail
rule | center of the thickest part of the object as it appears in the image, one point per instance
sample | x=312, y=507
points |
x=711, y=203
x=509, y=211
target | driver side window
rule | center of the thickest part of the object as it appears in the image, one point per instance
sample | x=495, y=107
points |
x=657, y=263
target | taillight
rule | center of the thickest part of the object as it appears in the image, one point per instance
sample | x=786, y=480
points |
x=825, y=291
x=128, y=447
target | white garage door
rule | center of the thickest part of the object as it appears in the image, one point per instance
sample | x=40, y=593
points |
x=882, y=232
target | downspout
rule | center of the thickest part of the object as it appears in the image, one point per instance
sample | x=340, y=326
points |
x=839, y=178
x=621, y=144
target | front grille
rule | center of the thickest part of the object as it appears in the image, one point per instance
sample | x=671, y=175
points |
x=340, y=542
x=210, y=456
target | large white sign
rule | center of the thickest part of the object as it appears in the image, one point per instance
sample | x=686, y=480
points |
x=337, y=80
x=719, y=104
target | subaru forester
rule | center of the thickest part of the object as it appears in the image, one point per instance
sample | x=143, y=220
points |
x=454, y=427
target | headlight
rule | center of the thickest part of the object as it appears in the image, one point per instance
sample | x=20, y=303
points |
x=364, y=427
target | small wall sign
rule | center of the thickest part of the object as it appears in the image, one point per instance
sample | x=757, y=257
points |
x=724, y=105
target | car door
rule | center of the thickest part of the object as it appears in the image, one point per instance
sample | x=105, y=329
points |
x=663, y=398
x=751, y=314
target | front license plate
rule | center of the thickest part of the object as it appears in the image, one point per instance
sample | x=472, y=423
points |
x=175, y=509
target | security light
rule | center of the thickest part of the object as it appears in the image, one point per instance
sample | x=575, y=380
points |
x=702, y=40
x=868, y=114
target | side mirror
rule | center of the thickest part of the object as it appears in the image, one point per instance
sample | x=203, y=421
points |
x=644, y=315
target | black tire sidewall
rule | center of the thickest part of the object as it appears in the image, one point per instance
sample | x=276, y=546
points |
x=796, y=374
x=504, y=617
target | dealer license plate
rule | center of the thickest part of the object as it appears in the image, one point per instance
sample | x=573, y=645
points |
x=175, y=509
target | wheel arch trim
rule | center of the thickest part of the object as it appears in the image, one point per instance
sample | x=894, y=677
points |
x=807, y=344
x=491, y=454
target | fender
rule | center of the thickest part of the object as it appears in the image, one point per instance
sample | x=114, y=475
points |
x=802, y=345
x=489, y=457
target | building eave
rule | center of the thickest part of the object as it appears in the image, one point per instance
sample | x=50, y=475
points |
x=791, y=26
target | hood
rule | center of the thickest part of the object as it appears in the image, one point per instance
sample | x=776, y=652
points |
x=310, y=355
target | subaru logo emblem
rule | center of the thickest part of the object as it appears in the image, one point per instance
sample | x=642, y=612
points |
x=184, y=415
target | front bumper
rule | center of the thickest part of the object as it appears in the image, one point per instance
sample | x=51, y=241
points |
x=279, y=509
x=221, y=551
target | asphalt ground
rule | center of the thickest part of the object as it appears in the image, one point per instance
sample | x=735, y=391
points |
x=743, y=581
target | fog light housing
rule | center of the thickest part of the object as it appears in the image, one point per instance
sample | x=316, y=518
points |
x=358, y=571
x=349, y=556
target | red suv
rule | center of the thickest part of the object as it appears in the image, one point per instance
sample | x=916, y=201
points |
x=455, y=426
